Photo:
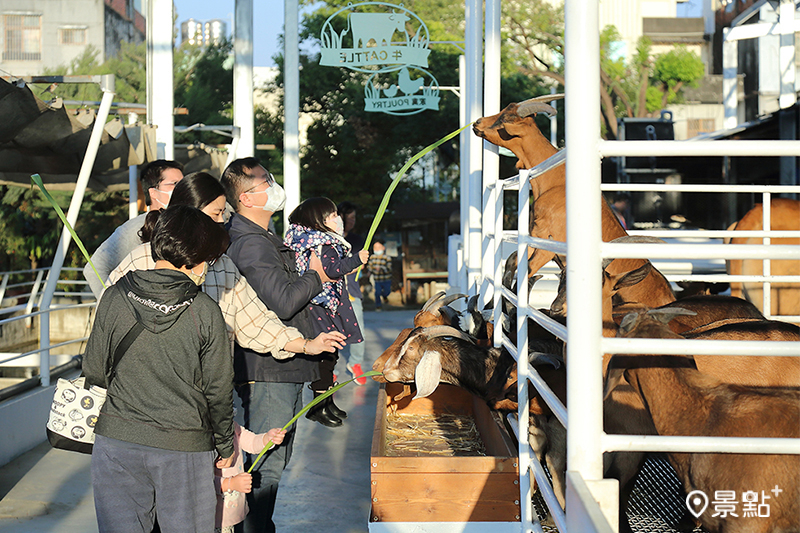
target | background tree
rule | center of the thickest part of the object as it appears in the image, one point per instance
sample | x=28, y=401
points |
x=29, y=228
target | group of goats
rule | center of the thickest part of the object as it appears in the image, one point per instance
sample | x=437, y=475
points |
x=681, y=395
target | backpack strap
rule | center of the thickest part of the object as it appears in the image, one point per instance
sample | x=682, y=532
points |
x=123, y=346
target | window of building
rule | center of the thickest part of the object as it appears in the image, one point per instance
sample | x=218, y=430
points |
x=72, y=35
x=696, y=126
x=23, y=37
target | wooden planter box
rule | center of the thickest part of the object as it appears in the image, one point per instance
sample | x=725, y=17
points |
x=444, y=489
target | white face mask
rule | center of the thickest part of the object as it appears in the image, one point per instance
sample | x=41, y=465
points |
x=338, y=225
x=276, y=198
x=163, y=205
x=378, y=252
x=198, y=280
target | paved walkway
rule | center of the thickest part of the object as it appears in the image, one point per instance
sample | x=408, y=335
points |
x=326, y=487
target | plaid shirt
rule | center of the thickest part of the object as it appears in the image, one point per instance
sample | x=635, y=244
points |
x=380, y=267
x=247, y=319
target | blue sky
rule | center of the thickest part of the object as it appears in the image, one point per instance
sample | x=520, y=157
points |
x=268, y=22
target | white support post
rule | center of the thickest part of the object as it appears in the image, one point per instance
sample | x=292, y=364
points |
x=243, y=77
x=463, y=164
x=474, y=53
x=786, y=54
x=291, y=100
x=730, y=68
x=133, y=190
x=160, y=88
x=72, y=217
x=491, y=157
x=584, y=331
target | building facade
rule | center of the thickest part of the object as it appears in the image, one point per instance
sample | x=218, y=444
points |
x=45, y=34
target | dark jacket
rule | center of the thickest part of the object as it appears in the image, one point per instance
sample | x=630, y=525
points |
x=269, y=266
x=173, y=388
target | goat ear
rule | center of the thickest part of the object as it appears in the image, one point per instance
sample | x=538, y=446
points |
x=427, y=373
x=634, y=277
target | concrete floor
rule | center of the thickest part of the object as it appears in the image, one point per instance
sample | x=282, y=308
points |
x=325, y=488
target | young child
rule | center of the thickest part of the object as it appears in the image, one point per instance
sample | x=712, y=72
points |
x=233, y=483
x=380, y=268
x=317, y=228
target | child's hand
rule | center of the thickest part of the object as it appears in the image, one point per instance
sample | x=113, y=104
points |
x=275, y=435
x=241, y=482
x=224, y=462
x=364, y=256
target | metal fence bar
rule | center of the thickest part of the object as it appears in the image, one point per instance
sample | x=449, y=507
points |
x=39, y=350
x=767, y=148
x=696, y=444
x=710, y=188
x=622, y=345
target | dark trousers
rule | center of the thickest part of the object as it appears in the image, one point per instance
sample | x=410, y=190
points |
x=131, y=482
x=266, y=406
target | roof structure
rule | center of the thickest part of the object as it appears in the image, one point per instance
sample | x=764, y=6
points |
x=49, y=139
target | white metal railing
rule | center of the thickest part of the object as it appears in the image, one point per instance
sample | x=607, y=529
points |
x=30, y=309
x=613, y=345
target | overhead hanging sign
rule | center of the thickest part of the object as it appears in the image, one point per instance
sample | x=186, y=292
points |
x=393, y=46
x=359, y=39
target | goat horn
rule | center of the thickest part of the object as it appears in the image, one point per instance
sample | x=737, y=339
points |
x=433, y=299
x=528, y=108
x=537, y=105
x=435, y=306
x=446, y=331
x=667, y=314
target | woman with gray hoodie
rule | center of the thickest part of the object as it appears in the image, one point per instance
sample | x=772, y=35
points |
x=169, y=407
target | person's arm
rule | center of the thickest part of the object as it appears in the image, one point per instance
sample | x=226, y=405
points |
x=113, y=250
x=216, y=364
x=337, y=267
x=257, y=328
x=264, y=269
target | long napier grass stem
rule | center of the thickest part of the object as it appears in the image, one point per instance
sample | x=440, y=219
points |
x=37, y=180
x=388, y=194
x=311, y=404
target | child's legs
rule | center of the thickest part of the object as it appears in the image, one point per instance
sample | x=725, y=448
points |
x=382, y=290
x=326, y=366
x=355, y=352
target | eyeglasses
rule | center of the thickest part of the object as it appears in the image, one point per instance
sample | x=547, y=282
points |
x=270, y=180
x=211, y=262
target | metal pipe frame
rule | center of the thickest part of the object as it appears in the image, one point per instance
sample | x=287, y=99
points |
x=72, y=217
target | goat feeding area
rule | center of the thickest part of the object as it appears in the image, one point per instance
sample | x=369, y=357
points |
x=460, y=464
x=425, y=434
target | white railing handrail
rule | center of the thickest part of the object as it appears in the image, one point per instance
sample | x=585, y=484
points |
x=667, y=251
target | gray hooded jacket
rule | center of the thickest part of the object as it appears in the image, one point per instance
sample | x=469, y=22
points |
x=173, y=388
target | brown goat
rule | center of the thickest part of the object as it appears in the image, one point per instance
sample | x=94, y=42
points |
x=514, y=128
x=681, y=401
x=435, y=312
x=785, y=297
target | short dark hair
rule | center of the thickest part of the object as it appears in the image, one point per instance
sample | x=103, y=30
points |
x=151, y=177
x=185, y=236
x=197, y=189
x=312, y=213
x=236, y=177
x=345, y=208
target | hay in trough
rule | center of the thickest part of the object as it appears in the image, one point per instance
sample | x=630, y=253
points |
x=418, y=435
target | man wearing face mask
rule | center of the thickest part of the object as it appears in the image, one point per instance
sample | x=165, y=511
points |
x=158, y=179
x=271, y=390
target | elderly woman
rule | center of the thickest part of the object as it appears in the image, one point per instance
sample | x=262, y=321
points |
x=169, y=408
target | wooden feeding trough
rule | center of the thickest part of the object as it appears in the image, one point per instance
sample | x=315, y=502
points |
x=459, y=464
